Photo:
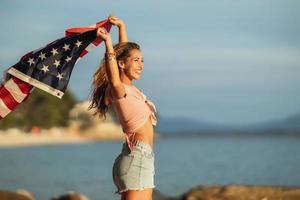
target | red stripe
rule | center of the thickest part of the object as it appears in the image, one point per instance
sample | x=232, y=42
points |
x=7, y=98
x=83, y=53
x=97, y=41
x=107, y=26
x=24, y=87
x=72, y=31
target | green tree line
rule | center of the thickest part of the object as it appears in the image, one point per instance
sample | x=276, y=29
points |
x=40, y=109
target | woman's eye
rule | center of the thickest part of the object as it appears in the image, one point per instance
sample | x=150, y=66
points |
x=137, y=60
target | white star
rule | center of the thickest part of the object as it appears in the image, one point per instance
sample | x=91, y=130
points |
x=78, y=43
x=66, y=47
x=56, y=63
x=30, y=61
x=59, y=76
x=45, y=68
x=42, y=56
x=68, y=58
x=54, y=51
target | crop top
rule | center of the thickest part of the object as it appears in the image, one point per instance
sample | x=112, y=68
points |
x=133, y=111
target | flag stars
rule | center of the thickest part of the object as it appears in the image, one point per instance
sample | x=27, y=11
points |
x=66, y=47
x=42, y=56
x=59, y=76
x=78, y=43
x=68, y=59
x=45, y=68
x=30, y=61
x=56, y=63
x=54, y=51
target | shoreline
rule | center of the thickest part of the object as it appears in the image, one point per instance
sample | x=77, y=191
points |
x=13, y=138
x=17, y=138
x=39, y=140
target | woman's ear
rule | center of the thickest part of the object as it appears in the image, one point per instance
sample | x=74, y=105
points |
x=121, y=64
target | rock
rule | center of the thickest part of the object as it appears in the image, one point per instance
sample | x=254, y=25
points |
x=240, y=192
x=19, y=195
x=70, y=196
x=25, y=193
x=157, y=195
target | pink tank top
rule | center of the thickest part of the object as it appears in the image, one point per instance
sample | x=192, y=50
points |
x=133, y=110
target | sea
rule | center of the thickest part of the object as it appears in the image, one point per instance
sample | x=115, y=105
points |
x=181, y=164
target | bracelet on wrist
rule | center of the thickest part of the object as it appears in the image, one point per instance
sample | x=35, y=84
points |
x=110, y=56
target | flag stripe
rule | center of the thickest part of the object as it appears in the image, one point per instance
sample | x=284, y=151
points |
x=97, y=41
x=90, y=47
x=83, y=53
x=7, y=98
x=73, y=31
x=15, y=91
x=12, y=93
x=4, y=110
x=23, y=86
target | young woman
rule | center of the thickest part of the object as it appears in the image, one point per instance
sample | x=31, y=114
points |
x=133, y=169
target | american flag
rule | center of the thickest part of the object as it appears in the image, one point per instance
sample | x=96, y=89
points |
x=48, y=68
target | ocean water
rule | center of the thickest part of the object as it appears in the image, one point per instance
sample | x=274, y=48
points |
x=181, y=163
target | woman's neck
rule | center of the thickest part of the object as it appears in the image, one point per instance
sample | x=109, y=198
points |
x=125, y=79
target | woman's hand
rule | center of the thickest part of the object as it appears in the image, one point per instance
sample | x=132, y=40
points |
x=103, y=34
x=115, y=21
x=121, y=25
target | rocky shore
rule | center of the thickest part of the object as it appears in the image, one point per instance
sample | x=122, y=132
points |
x=214, y=192
x=241, y=192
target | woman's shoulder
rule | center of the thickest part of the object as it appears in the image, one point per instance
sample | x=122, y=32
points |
x=129, y=92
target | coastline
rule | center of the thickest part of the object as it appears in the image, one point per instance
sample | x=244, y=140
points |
x=12, y=138
x=58, y=135
x=20, y=140
x=79, y=130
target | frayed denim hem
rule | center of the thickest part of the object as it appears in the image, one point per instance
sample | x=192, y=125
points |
x=125, y=190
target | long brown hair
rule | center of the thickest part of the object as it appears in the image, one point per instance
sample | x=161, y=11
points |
x=100, y=79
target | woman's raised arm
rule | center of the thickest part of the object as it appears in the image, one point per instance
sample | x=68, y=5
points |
x=121, y=26
x=112, y=71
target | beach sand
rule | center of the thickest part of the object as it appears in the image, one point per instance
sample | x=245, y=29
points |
x=12, y=140
x=58, y=135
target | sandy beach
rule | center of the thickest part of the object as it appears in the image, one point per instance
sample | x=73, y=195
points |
x=13, y=140
x=58, y=135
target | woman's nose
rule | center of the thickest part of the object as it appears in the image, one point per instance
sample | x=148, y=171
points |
x=141, y=65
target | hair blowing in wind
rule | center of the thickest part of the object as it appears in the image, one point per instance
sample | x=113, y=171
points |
x=100, y=79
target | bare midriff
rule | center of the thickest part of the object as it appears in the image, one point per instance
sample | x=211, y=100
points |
x=145, y=133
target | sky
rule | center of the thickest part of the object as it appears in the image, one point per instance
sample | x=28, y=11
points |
x=218, y=61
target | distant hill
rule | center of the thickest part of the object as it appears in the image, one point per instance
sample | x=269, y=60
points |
x=181, y=124
x=290, y=122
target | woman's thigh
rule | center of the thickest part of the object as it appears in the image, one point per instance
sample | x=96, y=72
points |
x=145, y=194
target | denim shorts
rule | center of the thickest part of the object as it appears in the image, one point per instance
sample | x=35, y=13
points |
x=134, y=170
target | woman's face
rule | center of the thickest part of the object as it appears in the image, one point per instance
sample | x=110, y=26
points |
x=134, y=64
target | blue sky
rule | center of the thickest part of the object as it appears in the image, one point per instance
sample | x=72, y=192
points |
x=231, y=62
